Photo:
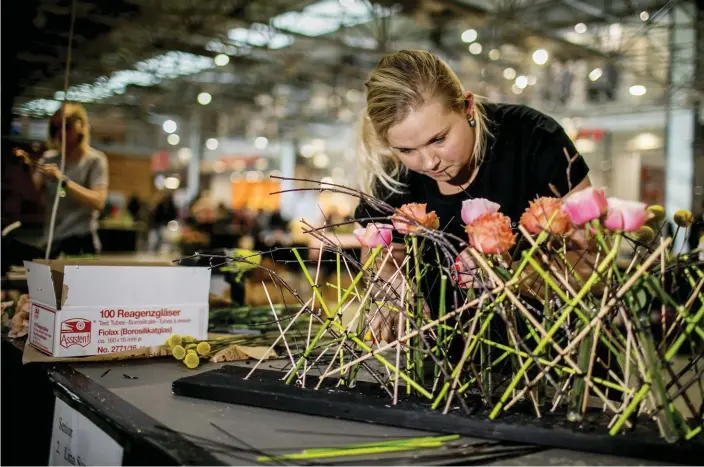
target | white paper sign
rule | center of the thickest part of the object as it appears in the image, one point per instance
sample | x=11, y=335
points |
x=75, y=440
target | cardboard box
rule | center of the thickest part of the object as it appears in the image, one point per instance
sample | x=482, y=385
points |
x=93, y=307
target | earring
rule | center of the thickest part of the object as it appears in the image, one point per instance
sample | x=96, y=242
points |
x=472, y=122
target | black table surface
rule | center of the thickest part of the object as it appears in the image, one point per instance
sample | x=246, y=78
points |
x=136, y=397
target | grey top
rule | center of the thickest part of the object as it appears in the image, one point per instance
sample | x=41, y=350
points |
x=72, y=217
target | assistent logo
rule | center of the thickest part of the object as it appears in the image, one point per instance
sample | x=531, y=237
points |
x=75, y=331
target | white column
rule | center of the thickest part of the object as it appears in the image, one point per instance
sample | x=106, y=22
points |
x=679, y=139
x=196, y=145
x=288, y=169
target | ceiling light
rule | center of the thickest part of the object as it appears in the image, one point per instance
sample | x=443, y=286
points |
x=261, y=142
x=644, y=15
x=516, y=89
x=580, y=28
x=338, y=172
x=254, y=176
x=261, y=164
x=585, y=145
x=509, y=73
x=595, y=74
x=159, y=182
x=172, y=183
x=521, y=82
x=475, y=48
x=532, y=80
x=637, y=90
x=204, y=98
x=307, y=150
x=540, y=56
x=494, y=54
x=470, y=35
x=173, y=139
x=184, y=154
x=321, y=160
x=222, y=59
x=169, y=126
x=353, y=95
x=211, y=143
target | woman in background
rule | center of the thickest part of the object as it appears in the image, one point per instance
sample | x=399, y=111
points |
x=83, y=184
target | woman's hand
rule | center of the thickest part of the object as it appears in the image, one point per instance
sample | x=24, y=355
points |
x=22, y=155
x=468, y=273
x=384, y=325
x=51, y=170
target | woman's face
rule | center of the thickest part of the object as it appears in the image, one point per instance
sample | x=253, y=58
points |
x=73, y=129
x=433, y=140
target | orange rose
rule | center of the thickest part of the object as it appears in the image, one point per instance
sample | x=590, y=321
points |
x=491, y=234
x=539, y=212
x=414, y=212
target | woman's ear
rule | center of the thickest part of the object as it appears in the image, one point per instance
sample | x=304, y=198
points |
x=468, y=102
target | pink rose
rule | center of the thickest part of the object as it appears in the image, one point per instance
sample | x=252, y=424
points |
x=586, y=205
x=627, y=216
x=473, y=208
x=374, y=235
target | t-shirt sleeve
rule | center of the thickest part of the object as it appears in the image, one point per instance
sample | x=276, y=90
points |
x=98, y=174
x=555, y=160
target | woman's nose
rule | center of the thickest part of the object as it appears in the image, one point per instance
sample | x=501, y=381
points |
x=430, y=161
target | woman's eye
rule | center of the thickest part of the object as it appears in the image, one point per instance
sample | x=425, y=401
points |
x=404, y=151
x=439, y=139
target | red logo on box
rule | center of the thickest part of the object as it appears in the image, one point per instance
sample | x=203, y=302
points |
x=75, y=331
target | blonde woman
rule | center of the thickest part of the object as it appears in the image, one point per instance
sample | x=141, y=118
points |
x=425, y=139
x=84, y=183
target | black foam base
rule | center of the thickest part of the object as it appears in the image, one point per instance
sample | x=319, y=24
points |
x=366, y=403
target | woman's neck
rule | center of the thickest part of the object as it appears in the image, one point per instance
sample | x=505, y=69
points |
x=460, y=182
x=75, y=153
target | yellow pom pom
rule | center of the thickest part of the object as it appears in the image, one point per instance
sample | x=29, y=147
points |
x=188, y=339
x=203, y=348
x=167, y=342
x=175, y=340
x=179, y=352
x=191, y=360
x=190, y=346
x=657, y=212
x=644, y=235
x=683, y=218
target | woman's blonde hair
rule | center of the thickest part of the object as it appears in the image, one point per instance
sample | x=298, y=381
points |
x=401, y=82
x=75, y=113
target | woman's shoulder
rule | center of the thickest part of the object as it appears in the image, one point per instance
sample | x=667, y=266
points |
x=520, y=116
x=93, y=154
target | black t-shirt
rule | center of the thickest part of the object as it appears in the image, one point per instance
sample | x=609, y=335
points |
x=524, y=155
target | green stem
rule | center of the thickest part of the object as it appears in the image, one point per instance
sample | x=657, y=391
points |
x=629, y=410
x=551, y=332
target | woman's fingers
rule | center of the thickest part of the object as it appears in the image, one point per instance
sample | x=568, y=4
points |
x=382, y=325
